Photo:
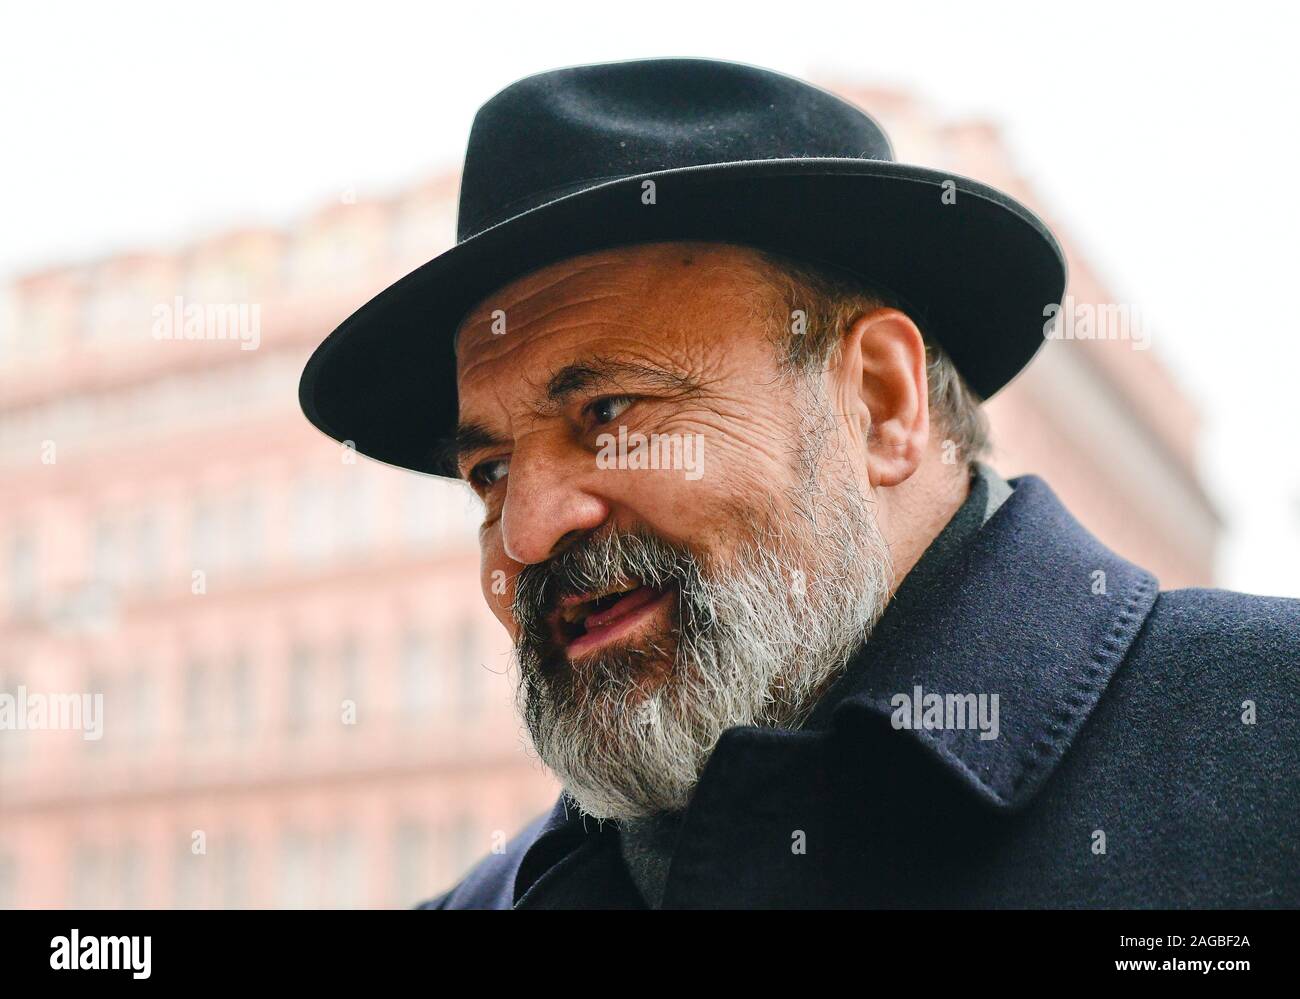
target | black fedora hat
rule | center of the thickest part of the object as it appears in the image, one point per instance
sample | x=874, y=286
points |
x=556, y=167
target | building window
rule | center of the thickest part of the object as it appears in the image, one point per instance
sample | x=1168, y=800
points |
x=141, y=706
x=355, y=503
x=233, y=864
x=98, y=684
x=196, y=698
x=8, y=881
x=242, y=718
x=88, y=878
x=310, y=523
x=300, y=698
x=14, y=743
x=146, y=555
x=131, y=877
x=411, y=864
x=420, y=509
x=22, y=574
x=107, y=557
x=205, y=539
x=417, y=680
x=295, y=871
x=344, y=870
x=466, y=845
x=473, y=675
x=351, y=679
x=249, y=534
x=188, y=873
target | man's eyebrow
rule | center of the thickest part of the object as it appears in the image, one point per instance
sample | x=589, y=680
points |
x=562, y=386
x=587, y=374
x=468, y=438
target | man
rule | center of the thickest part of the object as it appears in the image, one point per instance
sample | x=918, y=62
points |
x=712, y=361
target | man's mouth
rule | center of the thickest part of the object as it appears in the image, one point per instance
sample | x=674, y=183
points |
x=585, y=622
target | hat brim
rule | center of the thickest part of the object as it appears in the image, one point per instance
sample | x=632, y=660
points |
x=977, y=268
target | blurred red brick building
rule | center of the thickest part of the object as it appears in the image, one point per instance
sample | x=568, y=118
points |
x=305, y=701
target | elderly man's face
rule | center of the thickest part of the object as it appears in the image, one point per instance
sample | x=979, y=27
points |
x=673, y=534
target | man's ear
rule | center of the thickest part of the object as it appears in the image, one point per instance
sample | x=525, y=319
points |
x=878, y=381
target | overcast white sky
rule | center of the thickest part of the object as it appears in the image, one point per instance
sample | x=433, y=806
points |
x=1164, y=138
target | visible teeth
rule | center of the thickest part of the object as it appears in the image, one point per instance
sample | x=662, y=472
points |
x=575, y=613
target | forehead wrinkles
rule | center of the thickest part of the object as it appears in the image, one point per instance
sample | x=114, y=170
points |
x=545, y=311
x=657, y=302
x=533, y=300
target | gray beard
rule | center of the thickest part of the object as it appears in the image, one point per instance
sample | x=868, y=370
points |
x=758, y=640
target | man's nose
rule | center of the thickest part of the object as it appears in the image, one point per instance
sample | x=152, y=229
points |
x=548, y=502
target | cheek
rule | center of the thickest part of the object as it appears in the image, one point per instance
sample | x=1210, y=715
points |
x=740, y=486
x=709, y=516
x=737, y=480
x=748, y=452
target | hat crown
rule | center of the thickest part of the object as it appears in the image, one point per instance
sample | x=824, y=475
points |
x=558, y=132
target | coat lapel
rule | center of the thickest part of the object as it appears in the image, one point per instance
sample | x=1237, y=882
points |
x=574, y=863
x=1040, y=613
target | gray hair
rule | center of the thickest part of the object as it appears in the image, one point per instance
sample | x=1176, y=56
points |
x=831, y=300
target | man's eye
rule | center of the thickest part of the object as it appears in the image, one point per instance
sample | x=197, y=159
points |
x=609, y=408
x=490, y=472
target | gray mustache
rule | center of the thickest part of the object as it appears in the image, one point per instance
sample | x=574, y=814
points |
x=597, y=563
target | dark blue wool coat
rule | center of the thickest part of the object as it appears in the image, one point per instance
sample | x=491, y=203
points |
x=1147, y=755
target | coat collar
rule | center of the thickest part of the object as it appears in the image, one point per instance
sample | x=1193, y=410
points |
x=1034, y=609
